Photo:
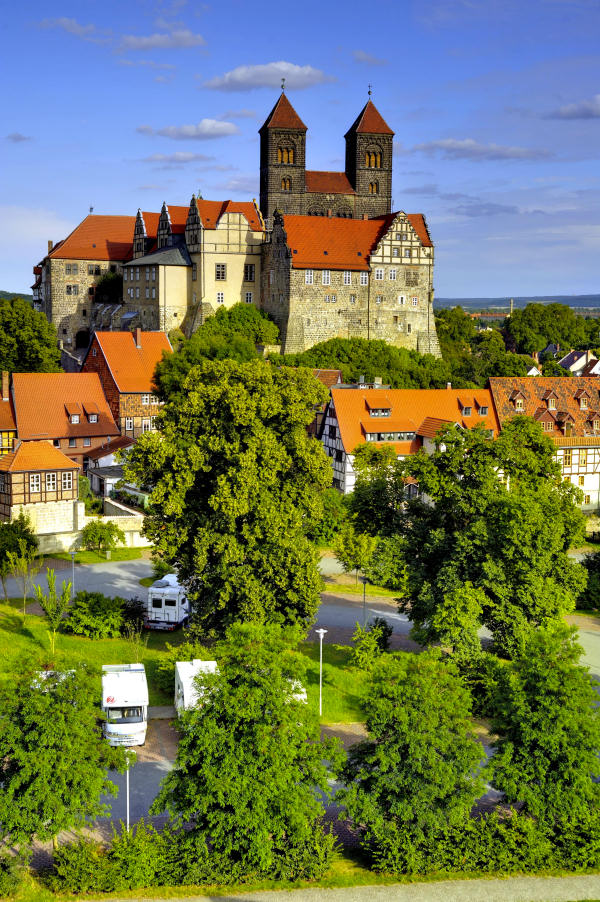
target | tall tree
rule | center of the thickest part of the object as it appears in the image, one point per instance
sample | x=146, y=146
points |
x=249, y=761
x=414, y=777
x=54, y=606
x=53, y=758
x=548, y=722
x=15, y=536
x=493, y=517
x=28, y=342
x=237, y=485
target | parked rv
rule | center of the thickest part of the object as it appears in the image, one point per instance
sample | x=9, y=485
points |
x=186, y=690
x=125, y=703
x=167, y=606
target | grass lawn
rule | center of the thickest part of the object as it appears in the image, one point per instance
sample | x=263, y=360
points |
x=350, y=588
x=28, y=642
x=342, y=683
x=92, y=557
x=147, y=581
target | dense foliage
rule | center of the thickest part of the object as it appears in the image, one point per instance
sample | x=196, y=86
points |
x=249, y=761
x=237, y=484
x=16, y=538
x=232, y=333
x=28, y=342
x=537, y=325
x=53, y=758
x=101, y=535
x=99, y=616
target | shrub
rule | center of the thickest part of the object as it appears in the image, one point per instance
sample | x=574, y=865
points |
x=12, y=870
x=590, y=597
x=138, y=857
x=334, y=515
x=382, y=631
x=96, y=616
x=81, y=867
x=370, y=642
x=160, y=568
x=187, y=651
x=101, y=535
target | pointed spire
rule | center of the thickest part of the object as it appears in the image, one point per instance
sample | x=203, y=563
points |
x=283, y=115
x=369, y=121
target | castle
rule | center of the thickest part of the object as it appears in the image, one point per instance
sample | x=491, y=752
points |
x=324, y=254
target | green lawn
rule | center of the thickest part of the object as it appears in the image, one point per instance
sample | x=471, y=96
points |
x=342, y=683
x=92, y=557
x=351, y=588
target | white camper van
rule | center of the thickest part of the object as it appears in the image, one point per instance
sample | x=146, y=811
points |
x=186, y=692
x=125, y=703
x=167, y=607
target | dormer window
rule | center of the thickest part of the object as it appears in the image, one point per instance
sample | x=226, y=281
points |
x=93, y=418
x=551, y=403
x=583, y=403
x=519, y=404
x=74, y=418
x=466, y=411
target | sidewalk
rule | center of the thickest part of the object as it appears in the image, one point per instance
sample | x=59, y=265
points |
x=512, y=889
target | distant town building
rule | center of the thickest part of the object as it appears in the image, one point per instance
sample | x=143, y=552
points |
x=40, y=481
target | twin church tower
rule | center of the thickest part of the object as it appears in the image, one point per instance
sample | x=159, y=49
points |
x=363, y=190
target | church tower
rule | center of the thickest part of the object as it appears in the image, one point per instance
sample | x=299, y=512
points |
x=282, y=160
x=369, y=148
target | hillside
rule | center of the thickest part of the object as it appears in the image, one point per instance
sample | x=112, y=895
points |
x=571, y=300
x=18, y=294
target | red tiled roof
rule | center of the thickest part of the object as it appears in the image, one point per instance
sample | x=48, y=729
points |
x=417, y=221
x=36, y=456
x=370, y=121
x=7, y=417
x=116, y=444
x=40, y=401
x=212, y=210
x=98, y=238
x=132, y=368
x=283, y=115
x=587, y=370
x=533, y=390
x=328, y=183
x=348, y=242
x=328, y=377
x=412, y=410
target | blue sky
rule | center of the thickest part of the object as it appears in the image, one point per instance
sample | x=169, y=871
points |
x=495, y=105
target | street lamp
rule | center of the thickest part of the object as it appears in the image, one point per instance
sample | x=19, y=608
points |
x=73, y=553
x=364, y=581
x=131, y=759
x=320, y=633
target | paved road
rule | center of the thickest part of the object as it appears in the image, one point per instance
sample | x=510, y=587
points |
x=512, y=889
x=112, y=578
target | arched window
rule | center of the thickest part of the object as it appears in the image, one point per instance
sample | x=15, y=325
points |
x=285, y=155
x=374, y=188
x=373, y=159
x=286, y=184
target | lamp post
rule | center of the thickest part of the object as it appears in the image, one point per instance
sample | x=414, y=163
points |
x=72, y=575
x=131, y=759
x=320, y=633
x=364, y=581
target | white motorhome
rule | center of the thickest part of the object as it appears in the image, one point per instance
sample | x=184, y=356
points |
x=186, y=690
x=167, y=606
x=125, y=703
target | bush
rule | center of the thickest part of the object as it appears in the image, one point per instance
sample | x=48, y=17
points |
x=187, y=651
x=160, y=568
x=81, y=867
x=382, y=632
x=370, y=642
x=96, y=616
x=12, y=870
x=101, y=535
x=590, y=597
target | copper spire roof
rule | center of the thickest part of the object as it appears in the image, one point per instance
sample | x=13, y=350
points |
x=283, y=115
x=370, y=122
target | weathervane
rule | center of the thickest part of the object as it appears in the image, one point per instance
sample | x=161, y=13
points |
x=369, y=91
x=283, y=85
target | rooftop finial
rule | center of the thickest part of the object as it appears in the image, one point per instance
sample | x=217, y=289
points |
x=283, y=85
x=369, y=92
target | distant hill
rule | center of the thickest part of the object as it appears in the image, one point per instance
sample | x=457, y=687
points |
x=571, y=300
x=16, y=294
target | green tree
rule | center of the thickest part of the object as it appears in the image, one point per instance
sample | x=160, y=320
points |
x=53, y=759
x=414, y=778
x=249, y=761
x=101, y=535
x=53, y=605
x=547, y=718
x=590, y=598
x=237, y=488
x=24, y=567
x=354, y=550
x=334, y=516
x=15, y=536
x=232, y=333
x=537, y=325
x=28, y=342
x=499, y=542
x=109, y=288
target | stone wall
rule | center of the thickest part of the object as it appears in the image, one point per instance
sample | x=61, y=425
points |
x=72, y=313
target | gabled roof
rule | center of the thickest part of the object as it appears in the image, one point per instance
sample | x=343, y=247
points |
x=327, y=183
x=370, y=122
x=417, y=221
x=175, y=255
x=589, y=368
x=534, y=391
x=211, y=212
x=116, y=444
x=35, y=456
x=98, y=238
x=572, y=357
x=318, y=242
x=40, y=401
x=412, y=410
x=7, y=416
x=328, y=377
x=132, y=368
x=283, y=115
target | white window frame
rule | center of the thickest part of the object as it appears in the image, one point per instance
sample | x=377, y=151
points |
x=364, y=278
x=154, y=273
x=402, y=299
x=249, y=297
x=128, y=424
x=147, y=273
x=392, y=274
x=145, y=400
x=347, y=277
x=93, y=418
x=308, y=277
x=137, y=291
x=407, y=252
x=414, y=301
x=74, y=419
x=35, y=483
x=379, y=274
x=67, y=481
x=146, y=427
x=50, y=481
x=220, y=297
x=325, y=277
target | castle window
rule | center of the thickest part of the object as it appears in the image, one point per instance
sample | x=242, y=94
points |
x=401, y=300
x=286, y=184
x=125, y=271
x=408, y=328
x=72, y=289
x=334, y=298
x=327, y=298
x=154, y=292
x=373, y=187
x=392, y=275
x=415, y=301
x=308, y=277
x=347, y=277
x=194, y=271
x=364, y=278
x=373, y=159
x=379, y=299
x=379, y=274
x=220, y=297
x=249, y=297
x=34, y=482
x=325, y=277
x=353, y=299
x=220, y=272
x=147, y=273
x=67, y=482
x=249, y=272
x=154, y=273
x=407, y=252
x=285, y=155
x=137, y=292
x=147, y=292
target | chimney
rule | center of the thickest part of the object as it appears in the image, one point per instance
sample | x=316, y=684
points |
x=138, y=337
x=377, y=381
x=5, y=385
x=50, y=245
x=448, y=386
x=330, y=214
x=365, y=216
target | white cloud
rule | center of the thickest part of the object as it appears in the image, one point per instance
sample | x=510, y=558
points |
x=18, y=138
x=203, y=131
x=178, y=38
x=180, y=157
x=361, y=56
x=243, y=184
x=72, y=26
x=469, y=149
x=239, y=114
x=583, y=109
x=268, y=75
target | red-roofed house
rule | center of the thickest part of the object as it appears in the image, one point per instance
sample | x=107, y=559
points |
x=405, y=419
x=125, y=363
x=37, y=473
x=363, y=189
x=351, y=278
